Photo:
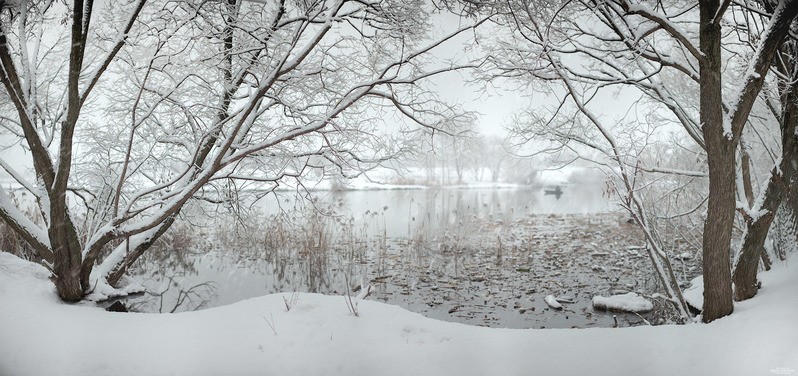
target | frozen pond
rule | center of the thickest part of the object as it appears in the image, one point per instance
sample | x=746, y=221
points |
x=476, y=256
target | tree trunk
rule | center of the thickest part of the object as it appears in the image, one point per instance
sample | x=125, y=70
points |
x=748, y=189
x=717, y=233
x=792, y=201
x=721, y=161
x=744, y=278
x=789, y=140
x=745, y=272
x=70, y=284
x=138, y=250
x=780, y=185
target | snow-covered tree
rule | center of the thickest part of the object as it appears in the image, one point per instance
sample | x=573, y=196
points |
x=666, y=53
x=131, y=109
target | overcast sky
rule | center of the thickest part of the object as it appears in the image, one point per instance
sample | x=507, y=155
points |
x=494, y=103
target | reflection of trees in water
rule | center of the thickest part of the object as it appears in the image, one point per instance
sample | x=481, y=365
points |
x=177, y=297
x=308, y=249
x=175, y=252
x=317, y=272
x=164, y=272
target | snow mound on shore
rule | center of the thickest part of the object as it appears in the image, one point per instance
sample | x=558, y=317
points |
x=629, y=302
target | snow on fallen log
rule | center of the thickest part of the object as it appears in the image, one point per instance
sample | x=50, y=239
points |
x=629, y=302
x=552, y=302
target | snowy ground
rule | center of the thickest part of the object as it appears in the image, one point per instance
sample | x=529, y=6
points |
x=319, y=336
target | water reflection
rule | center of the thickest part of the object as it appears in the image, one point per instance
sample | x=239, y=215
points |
x=175, y=296
x=482, y=257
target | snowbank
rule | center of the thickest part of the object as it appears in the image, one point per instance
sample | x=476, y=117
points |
x=319, y=336
x=629, y=302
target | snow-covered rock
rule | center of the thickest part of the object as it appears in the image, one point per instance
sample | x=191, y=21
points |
x=629, y=302
x=552, y=302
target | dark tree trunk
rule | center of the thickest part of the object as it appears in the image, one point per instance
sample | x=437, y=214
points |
x=780, y=185
x=744, y=278
x=134, y=254
x=790, y=137
x=70, y=284
x=721, y=161
x=717, y=233
x=749, y=197
x=748, y=189
x=792, y=201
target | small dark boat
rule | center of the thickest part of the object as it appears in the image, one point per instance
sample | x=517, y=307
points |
x=557, y=192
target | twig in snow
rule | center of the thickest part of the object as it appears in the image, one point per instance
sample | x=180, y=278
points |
x=271, y=323
x=364, y=292
x=350, y=304
x=290, y=302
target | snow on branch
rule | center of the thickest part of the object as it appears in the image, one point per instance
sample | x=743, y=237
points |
x=665, y=23
x=672, y=171
x=744, y=97
x=33, y=234
x=25, y=183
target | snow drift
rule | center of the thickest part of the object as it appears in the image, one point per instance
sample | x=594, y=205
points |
x=319, y=336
